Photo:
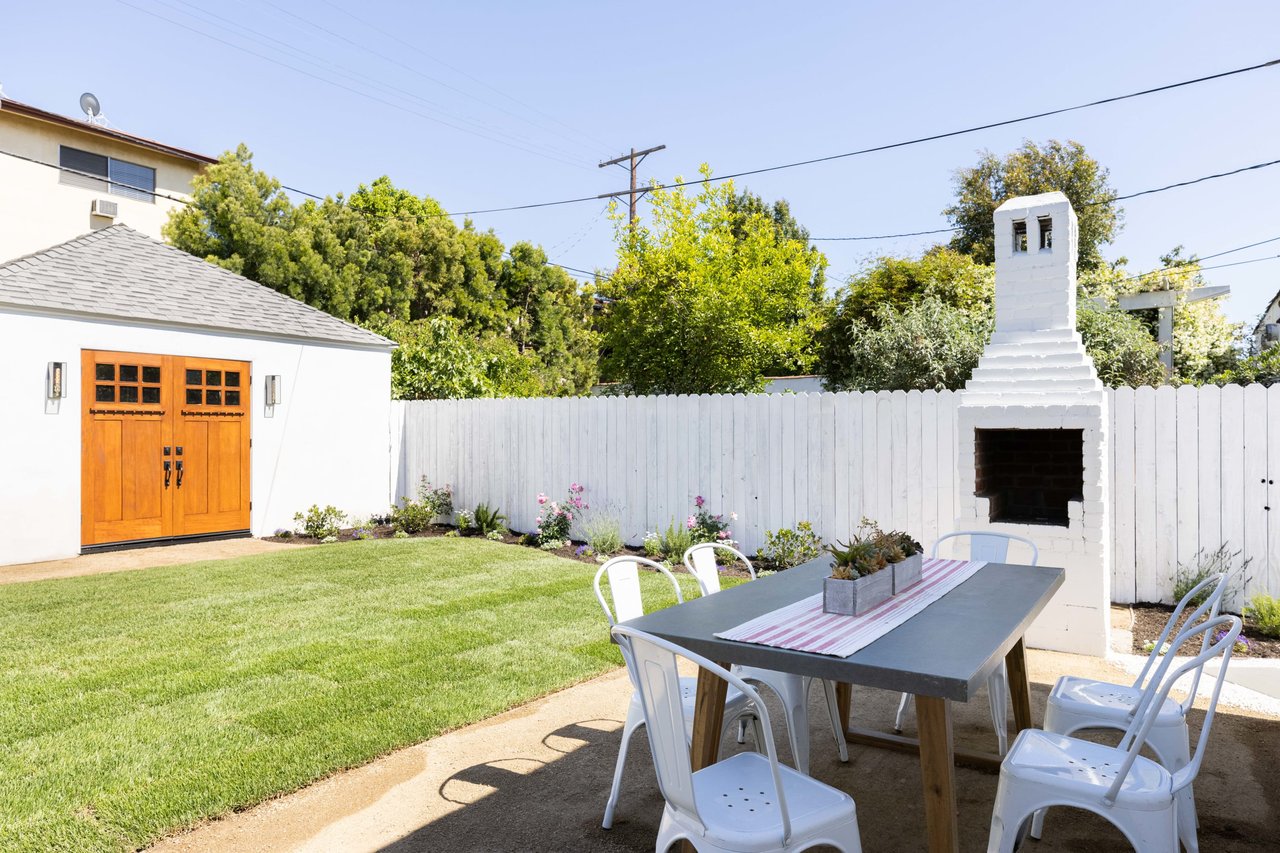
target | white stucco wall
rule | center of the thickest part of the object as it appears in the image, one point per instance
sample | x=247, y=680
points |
x=327, y=443
x=37, y=210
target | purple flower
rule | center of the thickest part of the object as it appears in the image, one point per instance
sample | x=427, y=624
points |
x=542, y=498
x=574, y=487
x=580, y=550
x=698, y=501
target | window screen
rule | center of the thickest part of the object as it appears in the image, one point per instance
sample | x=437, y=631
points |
x=133, y=181
x=79, y=167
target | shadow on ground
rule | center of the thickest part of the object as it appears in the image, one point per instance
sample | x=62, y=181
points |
x=520, y=804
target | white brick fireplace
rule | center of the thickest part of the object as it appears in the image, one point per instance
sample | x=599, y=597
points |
x=1032, y=441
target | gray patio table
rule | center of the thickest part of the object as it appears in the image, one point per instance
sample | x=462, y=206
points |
x=942, y=654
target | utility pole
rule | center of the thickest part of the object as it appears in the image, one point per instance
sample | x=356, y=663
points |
x=636, y=158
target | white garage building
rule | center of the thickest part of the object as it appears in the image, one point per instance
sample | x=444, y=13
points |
x=147, y=395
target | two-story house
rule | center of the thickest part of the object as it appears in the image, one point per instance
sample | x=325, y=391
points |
x=61, y=177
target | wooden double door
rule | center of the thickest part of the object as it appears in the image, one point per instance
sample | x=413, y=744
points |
x=164, y=446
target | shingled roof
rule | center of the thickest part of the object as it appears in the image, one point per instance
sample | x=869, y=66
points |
x=117, y=272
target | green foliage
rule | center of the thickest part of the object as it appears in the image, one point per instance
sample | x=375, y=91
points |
x=488, y=521
x=555, y=518
x=1207, y=564
x=953, y=279
x=708, y=299
x=870, y=550
x=669, y=545
x=414, y=516
x=1263, y=613
x=787, y=548
x=1262, y=368
x=1123, y=350
x=926, y=345
x=1030, y=170
x=320, y=523
x=603, y=532
x=705, y=526
x=389, y=259
x=465, y=519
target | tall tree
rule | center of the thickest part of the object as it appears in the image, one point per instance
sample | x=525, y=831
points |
x=1030, y=170
x=696, y=308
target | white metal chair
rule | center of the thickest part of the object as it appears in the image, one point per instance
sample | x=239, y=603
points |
x=624, y=588
x=748, y=802
x=790, y=688
x=1136, y=794
x=989, y=547
x=1077, y=703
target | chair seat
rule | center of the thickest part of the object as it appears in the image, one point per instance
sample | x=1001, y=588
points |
x=1105, y=701
x=1086, y=770
x=736, y=802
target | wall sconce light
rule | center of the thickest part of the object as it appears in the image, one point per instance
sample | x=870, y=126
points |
x=56, y=380
x=273, y=391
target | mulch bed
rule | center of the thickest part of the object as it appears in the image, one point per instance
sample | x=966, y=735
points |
x=1149, y=620
x=569, y=552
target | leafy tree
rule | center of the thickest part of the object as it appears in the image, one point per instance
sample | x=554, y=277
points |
x=1030, y=170
x=926, y=344
x=952, y=278
x=747, y=204
x=1262, y=367
x=697, y=308
x=1123, y=350
x=386, y=257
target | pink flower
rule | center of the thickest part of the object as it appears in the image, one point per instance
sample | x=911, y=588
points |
x=539, y=519
x=723, y=534
x=575, y=487
x=690, y=522
x=698, y=501
x=733, y=516
x=542, y=498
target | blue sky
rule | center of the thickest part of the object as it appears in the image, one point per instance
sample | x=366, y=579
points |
x=549, y=89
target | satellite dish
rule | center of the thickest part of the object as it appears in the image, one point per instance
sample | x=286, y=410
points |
x=89, y=103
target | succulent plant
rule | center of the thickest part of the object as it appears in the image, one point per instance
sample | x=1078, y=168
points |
x=870, y=550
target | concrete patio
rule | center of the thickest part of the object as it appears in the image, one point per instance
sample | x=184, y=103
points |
x=536, y=778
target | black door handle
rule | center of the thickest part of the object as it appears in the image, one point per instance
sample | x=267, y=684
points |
x=167, y=473
x=179, y=473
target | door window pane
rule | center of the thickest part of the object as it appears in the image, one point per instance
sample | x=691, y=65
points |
x=150, y=374
x=233, y=398
x=128, y=393
x=213, y=398
x=128, y=373
x=213, y=377
x=150, y=395
x=193, y=396
x=194, y=377
x=105, y=394
x=233, y=379
x=104, y=372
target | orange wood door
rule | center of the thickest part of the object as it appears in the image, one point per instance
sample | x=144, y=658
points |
x=127, y=424
x=211, y=446
x=165, y=446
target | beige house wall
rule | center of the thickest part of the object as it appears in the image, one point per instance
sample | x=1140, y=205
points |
x=37, y=210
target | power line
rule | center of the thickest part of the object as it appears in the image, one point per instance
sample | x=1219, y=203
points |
x=1195, y=263
x=342, y=86
x=903, y=143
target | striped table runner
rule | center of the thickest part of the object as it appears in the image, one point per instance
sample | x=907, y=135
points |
x=803, y=626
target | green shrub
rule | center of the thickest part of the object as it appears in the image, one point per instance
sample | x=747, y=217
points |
x=1263, y=611
x=669, y=545
x=489, y=521
x=786, y=548
x=320, y=523
x=465, y=519
x=1207, y=564
x=603, y=533
x=415, y=516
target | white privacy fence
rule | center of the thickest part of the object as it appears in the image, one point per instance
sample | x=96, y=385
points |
x=1191, y=467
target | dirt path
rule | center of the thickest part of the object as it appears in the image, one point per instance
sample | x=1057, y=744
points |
x=137, y=558
x=536, y=778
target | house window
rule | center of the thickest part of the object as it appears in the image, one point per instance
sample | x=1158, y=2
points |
x=1046, y=232
x=97, y=172
x=1020, y=235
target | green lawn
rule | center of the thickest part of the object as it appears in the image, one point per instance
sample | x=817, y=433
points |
x=137, y=703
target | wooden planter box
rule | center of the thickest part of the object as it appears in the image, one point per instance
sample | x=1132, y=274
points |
x=857, y=596
x=907, y=573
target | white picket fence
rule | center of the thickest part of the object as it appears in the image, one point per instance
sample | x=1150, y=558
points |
x=1189, y=466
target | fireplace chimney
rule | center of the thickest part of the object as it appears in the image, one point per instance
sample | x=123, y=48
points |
x=1032, y=423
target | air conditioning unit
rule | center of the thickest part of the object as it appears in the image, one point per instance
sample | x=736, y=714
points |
x=106, y=209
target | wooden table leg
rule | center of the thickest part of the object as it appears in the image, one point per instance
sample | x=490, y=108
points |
x=844, y=702
x=708, y=723
x=937, y=767
x=1019, y=686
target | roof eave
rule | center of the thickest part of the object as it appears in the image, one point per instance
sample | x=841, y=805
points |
x=19, y=108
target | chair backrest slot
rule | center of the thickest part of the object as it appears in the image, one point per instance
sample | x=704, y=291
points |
x=624, y=587
x=988, y=546
x=700, y=561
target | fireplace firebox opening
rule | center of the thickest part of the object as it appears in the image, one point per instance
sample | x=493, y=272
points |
x=1029, y=475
